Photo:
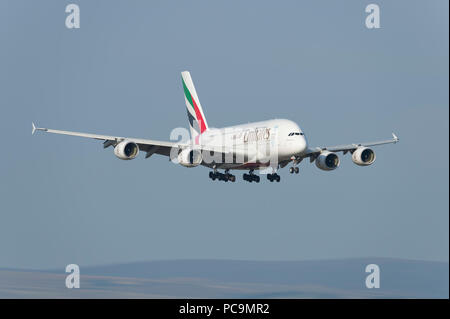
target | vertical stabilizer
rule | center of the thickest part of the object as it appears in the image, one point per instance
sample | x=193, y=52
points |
x=197, y=121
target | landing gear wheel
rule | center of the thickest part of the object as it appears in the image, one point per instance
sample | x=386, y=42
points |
x=273, y=177
x=230, y=177
x=213, y=175
x=251, y=178
x=291, y=170
x=296, y=170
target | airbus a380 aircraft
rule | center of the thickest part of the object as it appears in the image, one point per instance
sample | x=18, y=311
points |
x=267, y=145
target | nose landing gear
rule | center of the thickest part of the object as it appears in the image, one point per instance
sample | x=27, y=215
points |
x=294, y=169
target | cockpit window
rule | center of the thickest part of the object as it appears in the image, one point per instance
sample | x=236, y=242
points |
x=295, y=133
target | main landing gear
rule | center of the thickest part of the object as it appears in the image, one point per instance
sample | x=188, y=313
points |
x=251, y=177
x=273, y=177
x=222, y=177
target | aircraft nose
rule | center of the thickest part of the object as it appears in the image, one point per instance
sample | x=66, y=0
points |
x=303, y=145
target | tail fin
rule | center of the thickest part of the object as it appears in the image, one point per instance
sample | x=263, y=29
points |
x=196, y=117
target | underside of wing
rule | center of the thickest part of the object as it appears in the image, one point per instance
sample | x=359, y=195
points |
x=150, y=147
x=327, y=159
x=157, y=148
x=348, y=147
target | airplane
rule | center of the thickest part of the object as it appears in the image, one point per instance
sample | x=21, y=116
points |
x=266, y=146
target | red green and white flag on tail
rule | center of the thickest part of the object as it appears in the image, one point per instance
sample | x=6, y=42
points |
x=196, y=117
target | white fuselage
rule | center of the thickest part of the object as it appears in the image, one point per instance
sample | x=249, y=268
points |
x=253, y=145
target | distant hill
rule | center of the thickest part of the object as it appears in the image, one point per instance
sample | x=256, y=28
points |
x=236, y=279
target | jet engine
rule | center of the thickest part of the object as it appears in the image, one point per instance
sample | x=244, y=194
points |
x=190, y=157
x=126, y=150
x=363, y=156
x=327, y=161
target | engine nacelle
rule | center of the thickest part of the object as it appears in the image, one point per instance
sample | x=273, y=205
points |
x=363, y=156
x=190, y=157
x=327, y=161
x=126, y=150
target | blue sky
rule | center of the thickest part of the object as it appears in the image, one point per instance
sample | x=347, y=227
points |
x=66, y=200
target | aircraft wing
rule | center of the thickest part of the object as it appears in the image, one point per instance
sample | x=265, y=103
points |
x=313, y=152
x=148, y=146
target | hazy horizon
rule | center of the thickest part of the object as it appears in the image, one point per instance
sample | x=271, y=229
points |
x=235, y=279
